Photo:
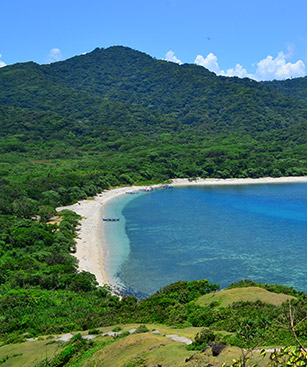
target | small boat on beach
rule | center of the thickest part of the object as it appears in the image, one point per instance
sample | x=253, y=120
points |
x=110, y=219
x=148, y=189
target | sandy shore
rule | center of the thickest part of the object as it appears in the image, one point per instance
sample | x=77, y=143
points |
x=236, y=181
x=91, y=242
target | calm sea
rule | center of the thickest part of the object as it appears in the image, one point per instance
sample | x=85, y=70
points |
x=219, y=233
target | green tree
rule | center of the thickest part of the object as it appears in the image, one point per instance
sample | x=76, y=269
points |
x=25, y=207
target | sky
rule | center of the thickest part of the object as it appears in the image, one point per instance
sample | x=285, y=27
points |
x=259, y=39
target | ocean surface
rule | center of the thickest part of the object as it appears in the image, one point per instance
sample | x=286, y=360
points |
x=220, y=233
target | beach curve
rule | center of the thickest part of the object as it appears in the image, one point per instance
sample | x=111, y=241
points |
x=91, y=244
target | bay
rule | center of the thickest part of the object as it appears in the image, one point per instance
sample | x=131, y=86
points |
x=220, y=233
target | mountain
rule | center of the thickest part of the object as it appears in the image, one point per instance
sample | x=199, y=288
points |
x=292, y=87
x=186, y=93
x=145, y=119
x=122, y=115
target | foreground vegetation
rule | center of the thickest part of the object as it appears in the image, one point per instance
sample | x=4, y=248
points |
x=149, y=345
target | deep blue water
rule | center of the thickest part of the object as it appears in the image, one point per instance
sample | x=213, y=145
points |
x=219, y=233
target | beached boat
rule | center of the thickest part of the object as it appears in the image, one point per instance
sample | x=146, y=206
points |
x=148, y=189
x=110, y=219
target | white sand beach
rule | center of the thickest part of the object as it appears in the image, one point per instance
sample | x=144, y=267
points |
x=236, y=181
x=91, y=243
x=92, y=247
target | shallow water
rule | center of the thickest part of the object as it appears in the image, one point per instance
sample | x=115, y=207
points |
x=219, y=233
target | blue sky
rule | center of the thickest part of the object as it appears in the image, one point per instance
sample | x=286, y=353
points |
x=261, y=39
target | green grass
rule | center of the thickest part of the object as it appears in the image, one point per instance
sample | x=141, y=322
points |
x=135, y=350
x=150, y=350
x=127, y=349
x=29, y=353
x=226, y=297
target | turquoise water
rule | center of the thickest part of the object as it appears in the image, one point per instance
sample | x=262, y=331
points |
x=219, y=233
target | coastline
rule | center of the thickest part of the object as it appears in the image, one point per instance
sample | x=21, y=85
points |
x=237, y=181
x=91, y=244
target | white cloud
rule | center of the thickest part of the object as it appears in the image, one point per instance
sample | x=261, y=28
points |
x=55, y=54
x=210, y=63
x=267, y=69
x=270, y=68
x=1, y=62
x=238, y=71
x=170, y=56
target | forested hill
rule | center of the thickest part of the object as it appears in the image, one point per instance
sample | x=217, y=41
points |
x=292, y=87
x=188, y=94
x=124, y=117
x=175, y=120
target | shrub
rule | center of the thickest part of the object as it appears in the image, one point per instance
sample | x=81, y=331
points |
x=116, y=329
x=201, y=339
x=94, y=332
x=141, y=329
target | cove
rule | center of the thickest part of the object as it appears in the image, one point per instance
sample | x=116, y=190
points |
x=220, y=233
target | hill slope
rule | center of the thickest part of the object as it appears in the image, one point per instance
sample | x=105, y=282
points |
x=227, y=297
x=189, y=93
x=174, y=120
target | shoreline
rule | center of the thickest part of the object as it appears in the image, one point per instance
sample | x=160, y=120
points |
x=237, y=181
x=91, y=244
